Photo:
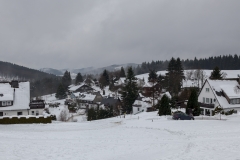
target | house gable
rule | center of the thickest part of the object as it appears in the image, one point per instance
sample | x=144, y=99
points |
x=207, y=96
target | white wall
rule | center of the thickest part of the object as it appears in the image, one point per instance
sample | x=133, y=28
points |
x=14, y=113
x=209, y=95
x=40, y=111
x=135, y=110
x=24, y=112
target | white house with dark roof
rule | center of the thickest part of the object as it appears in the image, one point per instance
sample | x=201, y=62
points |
x=14, y=98
x=222, y=93
x=89, y=100
x=80, y=88
x=121, y=81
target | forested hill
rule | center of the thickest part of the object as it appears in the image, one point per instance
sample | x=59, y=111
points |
x=23, y=73
x=225, y=62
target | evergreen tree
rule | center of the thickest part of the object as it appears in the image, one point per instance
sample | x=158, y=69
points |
x=152, y=76
x=92, y=114
x=122, y=72
x=174, y=76
x=192, y=105
x=130, y=91
x=172, y=102
x=163, y=105
x=66, y=80
x=216, y=74
x=104, y=79
x=61, y=94
x=79, y=78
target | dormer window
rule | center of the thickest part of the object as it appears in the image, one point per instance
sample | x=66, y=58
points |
x=6, y=103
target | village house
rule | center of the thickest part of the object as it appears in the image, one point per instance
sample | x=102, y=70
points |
x=149, y=88
x=86, y=101
x=80, y=88
x=36, y=107
x=220, y=93
x=113, y=102
x=121, y=81
x=88, y=81
x=141, y=104
x=15, y=100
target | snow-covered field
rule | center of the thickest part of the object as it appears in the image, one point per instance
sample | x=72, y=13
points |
x=149, y=137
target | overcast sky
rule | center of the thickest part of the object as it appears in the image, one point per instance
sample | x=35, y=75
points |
x=83, y=33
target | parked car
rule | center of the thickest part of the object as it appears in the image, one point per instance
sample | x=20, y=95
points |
x=182, y=116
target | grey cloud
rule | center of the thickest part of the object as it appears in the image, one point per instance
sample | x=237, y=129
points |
x=75, y=34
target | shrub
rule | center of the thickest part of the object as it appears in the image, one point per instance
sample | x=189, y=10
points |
x=24, y=120
x=230, y=112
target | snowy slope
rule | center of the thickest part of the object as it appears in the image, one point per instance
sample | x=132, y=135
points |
x=149, y=137
x=187, y=83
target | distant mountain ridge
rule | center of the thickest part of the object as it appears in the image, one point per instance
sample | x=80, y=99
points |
x=14, y=71
x=51, y=71
x=88, y=70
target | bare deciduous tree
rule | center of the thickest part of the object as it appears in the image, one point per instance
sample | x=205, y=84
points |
x=63, y=115
x=197, y=76
x=203, y=77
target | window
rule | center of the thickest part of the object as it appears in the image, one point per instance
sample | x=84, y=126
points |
x=234, y=101
x=32, y=112
x=19, y=113
x=1, y=113
x=4, y=103
x=203, y=99
x=207, y=100
x=238, y=101
x=207, y=89
x=138, y=109
x=37, y=113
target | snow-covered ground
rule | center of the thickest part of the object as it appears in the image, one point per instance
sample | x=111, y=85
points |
x=143, y=136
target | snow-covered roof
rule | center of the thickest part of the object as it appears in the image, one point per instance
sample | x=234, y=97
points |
x=140, y=94
x=167, y=94
x=139, y=103
x=6, y=92
x=88, y=79
x=122, y=79
x=74, y=87
x=228, y=87
x=76, y=94
x=148, y=84
x=87, y=97
x=21, y=98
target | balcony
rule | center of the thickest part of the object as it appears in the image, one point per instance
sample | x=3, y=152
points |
x=205, y=105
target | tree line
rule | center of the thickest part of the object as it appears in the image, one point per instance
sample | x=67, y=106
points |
x=225, y=62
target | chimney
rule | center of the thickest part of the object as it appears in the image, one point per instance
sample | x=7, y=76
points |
x=14, y=84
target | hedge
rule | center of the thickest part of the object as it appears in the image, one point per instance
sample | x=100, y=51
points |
x=24, y=120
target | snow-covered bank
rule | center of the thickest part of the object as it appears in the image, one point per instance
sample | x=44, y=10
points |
x=143, y=136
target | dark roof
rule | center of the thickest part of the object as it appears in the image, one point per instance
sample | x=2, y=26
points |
x=110, y=101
